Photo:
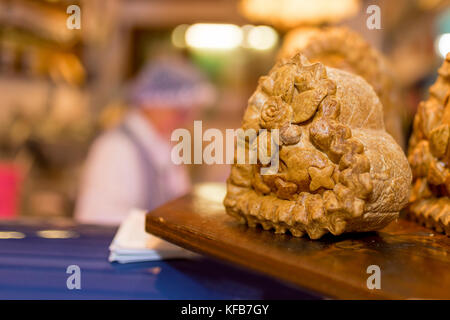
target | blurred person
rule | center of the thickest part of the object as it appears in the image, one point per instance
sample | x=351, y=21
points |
x=130, y=166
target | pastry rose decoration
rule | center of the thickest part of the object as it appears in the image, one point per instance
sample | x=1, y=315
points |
x=275, y=113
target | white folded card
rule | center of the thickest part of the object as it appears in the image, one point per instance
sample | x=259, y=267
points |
x=132, y=244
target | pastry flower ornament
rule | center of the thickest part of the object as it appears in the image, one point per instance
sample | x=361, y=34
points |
x=275, y=113
x=339, y=171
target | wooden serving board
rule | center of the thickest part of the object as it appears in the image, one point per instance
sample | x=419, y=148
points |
x=414, y=261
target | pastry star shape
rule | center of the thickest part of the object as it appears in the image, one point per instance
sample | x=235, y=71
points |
x=321, y=178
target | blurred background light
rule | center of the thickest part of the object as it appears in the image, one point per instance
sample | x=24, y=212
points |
x=286, y=14
x=11, y=235
x=210, y=190
x=57, y=234
x=442, y=27
x=213, y=36
x=443, y=44
x=262, y=37
x=178, y=36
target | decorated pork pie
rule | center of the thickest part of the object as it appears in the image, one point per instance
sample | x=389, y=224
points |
x=339, y=170
x=429, y=156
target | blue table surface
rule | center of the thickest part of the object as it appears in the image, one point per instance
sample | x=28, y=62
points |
x=34, y=267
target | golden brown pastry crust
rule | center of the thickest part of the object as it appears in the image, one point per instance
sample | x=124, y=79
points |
x=341, y=48
x=429, y=156
x=339, y=170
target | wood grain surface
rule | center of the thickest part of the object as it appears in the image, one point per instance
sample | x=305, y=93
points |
x=414, y=261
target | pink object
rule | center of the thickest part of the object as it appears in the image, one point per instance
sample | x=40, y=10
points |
x=10, y=186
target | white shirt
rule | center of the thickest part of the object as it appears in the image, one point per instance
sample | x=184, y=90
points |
x=116, y=178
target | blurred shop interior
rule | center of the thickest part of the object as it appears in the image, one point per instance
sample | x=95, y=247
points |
x=59, y=88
